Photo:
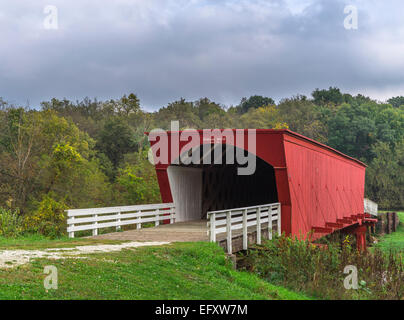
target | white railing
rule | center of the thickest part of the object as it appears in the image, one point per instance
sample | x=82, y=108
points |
x=98, y=218
x=370, y=206
x=225, y=221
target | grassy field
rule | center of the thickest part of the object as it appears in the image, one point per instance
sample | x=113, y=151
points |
x=177, y=271
x=36, y=241
x=395, y=240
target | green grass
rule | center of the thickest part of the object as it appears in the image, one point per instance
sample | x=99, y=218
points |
x=395, y=240
x=177, y=271
x=36, y=241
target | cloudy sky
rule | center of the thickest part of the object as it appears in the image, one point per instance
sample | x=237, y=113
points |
x=163, y=50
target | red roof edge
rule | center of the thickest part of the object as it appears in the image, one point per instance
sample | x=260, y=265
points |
x=292, y=133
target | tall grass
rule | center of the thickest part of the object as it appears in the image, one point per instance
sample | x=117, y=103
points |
x=11, y=224
x=319, y=272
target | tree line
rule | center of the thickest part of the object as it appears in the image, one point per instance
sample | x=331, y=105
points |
x=94, y=153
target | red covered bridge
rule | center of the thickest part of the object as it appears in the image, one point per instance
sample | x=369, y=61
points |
x=320, y=190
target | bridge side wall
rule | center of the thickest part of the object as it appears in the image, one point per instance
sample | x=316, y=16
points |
x=324, y=185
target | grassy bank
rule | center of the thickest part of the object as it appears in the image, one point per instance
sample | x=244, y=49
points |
x=177, y=271
x=395, y=240
x=319, y=272
x=37, y=241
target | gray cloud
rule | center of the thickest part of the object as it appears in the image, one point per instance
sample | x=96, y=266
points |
x=164, y=50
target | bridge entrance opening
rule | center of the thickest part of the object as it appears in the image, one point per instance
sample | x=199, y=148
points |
x=199, y=188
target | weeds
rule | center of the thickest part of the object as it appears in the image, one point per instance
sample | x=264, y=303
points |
x=319, y=272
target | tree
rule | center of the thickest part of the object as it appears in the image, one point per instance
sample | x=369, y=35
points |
x=182, y=111
x=385, y=175
x=303, y=117
x=396, y=102
x=115, y=140
x=331, y=96
x=254, y=102
x=204, y=108
x=266, y=117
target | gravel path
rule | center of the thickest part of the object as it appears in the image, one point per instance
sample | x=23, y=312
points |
x=13, y=258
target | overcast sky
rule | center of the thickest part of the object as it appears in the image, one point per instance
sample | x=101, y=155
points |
x=223, y=50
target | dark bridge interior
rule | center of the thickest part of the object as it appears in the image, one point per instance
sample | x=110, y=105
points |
x=222, y=187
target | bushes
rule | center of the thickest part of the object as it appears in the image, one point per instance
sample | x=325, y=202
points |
x=319, y=272
x=11, y=224
x=49, y=219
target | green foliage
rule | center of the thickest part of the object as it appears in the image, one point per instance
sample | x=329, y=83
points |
x=354, y=129
x=303, y=267
x=393, y=241
x=325, y=97
x=254, y=102
x=137, y=181
x=303, y=116
x=396, y=102
x=49, y=219
x=115, y=140
x=385, y=175
x=11, y=223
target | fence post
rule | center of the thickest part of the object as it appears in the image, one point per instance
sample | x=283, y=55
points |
x=157, y=222
x=118, y=225
x=95, y=230
x=138, y=225
x=270, y=222
x=228, y=231
x=259, y=225
x=212, y=237
x=71, y=234
x=245, y=234
x=279, y=220
x=172, y=212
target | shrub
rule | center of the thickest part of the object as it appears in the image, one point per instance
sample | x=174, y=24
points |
x=49, y=219
x=319, y=272
x=11, y=224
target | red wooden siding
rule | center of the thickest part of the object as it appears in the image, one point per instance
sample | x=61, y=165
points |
x=316, y=185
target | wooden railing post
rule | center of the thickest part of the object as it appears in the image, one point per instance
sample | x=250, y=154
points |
x=228, y=231
x=172, y=212
x=258, y=225
x=95, y=230
x=212, y=227
x=71, y=234
x=138, y=225
x=118, y=225
x=279, y=220
x=245, y=233
x=270, y=222
x=157, y=222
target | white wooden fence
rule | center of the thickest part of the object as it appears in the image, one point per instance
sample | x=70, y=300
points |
x=370, y=206
x=225, y=221
x=97, y=218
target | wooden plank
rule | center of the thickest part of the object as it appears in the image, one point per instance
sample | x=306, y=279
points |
x=270, y=226
x=258, y=225
x=240, y=209
x=90, y=211
x=228, y=231
x=212, y=227
x=245, y=234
